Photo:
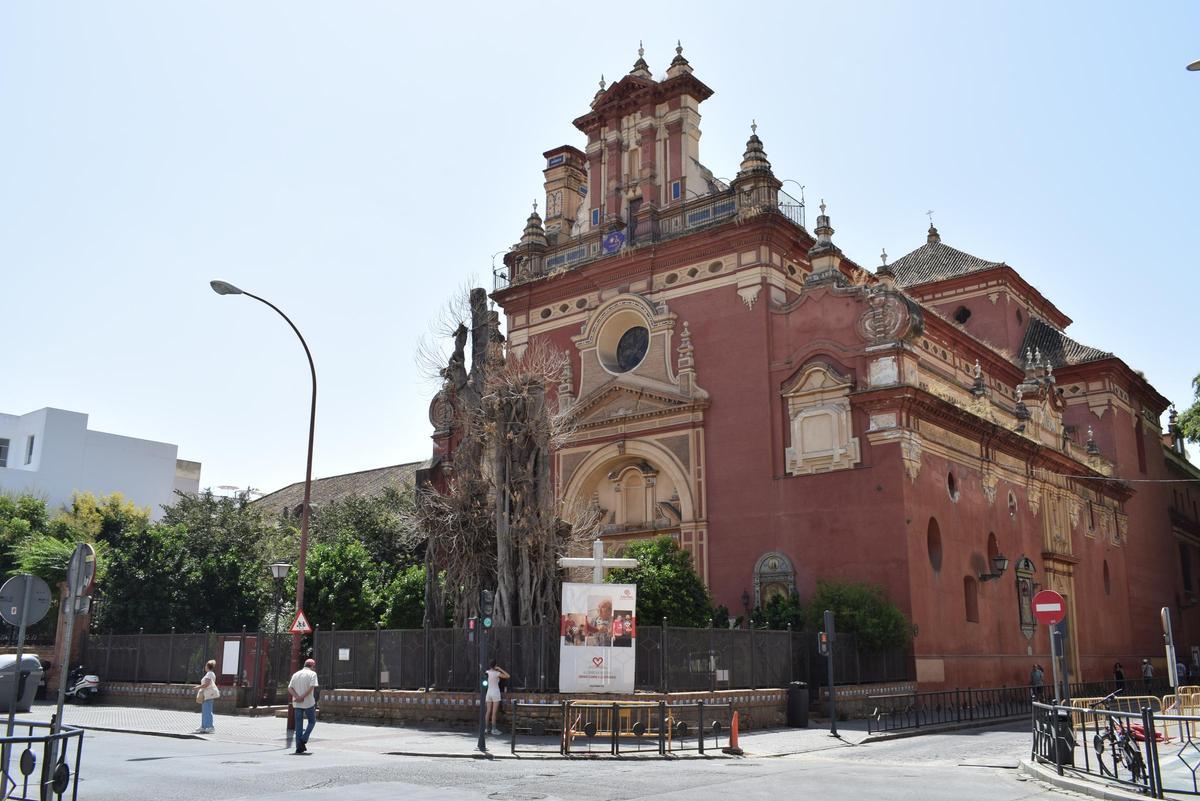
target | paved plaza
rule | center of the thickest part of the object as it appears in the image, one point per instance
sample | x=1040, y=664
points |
x=250, y=758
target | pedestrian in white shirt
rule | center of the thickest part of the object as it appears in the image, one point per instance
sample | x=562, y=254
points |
x=302, y=690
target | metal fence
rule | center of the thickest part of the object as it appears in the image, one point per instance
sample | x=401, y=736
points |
x=905, y=711
x=669, y=659
x=1124, y=740
x=52, y=773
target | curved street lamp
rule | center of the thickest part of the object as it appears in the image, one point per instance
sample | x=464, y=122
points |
x=225, y=288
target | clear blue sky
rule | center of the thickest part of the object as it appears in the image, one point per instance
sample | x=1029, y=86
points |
x=357, y=162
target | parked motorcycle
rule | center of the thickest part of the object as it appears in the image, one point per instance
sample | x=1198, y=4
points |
x=82, y=687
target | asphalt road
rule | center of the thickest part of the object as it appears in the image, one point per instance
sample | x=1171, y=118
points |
x=977, y=765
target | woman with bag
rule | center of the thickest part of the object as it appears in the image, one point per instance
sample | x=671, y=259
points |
x=206, y=694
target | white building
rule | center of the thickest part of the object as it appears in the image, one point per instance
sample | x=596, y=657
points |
x=52, y=454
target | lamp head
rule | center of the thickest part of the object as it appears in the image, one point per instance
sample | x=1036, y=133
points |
x=999, y=563
x=279, y=570
x=224, y=288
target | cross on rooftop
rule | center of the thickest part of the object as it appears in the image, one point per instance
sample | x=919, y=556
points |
x=598, y=562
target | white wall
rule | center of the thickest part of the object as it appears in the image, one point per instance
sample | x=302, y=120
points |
x=68, y=458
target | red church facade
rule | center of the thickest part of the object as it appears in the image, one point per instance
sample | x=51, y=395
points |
x=739, y=383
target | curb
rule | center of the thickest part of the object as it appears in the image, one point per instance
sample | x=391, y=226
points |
x=143, y=733
x=1069, y=781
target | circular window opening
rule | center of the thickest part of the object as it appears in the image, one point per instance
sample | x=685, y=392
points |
x=952, y=486
x=933, y=541
x=962, y=314
x=631, y=348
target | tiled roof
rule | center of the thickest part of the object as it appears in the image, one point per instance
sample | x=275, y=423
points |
x=364, y=483
x=1056, y=346
x=937, y=262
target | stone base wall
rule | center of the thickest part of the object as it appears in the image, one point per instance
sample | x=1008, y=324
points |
x=166, y=696
x=853, y=700
x=757, y=709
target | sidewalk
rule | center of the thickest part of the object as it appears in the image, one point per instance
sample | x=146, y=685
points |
x=396, y=740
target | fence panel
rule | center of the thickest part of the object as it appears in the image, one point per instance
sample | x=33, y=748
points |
x=673, y=658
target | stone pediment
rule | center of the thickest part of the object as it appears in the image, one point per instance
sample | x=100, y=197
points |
x=620, y=400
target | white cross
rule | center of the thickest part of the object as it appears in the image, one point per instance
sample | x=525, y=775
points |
x=598, y=562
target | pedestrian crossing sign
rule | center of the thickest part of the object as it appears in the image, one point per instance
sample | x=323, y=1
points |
x=300, y=624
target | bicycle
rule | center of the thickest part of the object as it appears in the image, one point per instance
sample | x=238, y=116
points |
x=1118, y=738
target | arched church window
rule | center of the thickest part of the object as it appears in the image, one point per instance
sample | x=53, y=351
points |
x=971, y=598
x=933, y=542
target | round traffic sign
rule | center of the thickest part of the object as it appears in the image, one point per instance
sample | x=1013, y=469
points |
x=1049, y=607
x=12, y=599
x=81, y=573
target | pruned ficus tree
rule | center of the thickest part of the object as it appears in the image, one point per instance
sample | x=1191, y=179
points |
x=494, y=522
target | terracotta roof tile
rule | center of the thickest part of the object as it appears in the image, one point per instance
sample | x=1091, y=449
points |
x=937, y=262
x=1056, y=346
x=333, y=488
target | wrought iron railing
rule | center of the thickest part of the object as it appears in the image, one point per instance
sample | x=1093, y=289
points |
x=669, y=659
x=39, y=763
x=618, y=727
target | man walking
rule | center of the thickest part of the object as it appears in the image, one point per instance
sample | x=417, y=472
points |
x=302, y=690
x=1147, y=673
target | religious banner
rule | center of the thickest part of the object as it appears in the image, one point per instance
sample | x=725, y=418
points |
x=597, y=631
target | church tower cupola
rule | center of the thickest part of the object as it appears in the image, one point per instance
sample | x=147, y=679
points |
x=824, y=256
x=640, y=67
x=534, y=233
x=932, y=237
x=755, y=158
x=756, y=186
x=679, y=64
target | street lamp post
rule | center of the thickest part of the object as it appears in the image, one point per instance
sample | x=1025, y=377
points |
x=279, y=571
x=223, y=288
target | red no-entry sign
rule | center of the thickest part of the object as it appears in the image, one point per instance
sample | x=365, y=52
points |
x=1049, y=607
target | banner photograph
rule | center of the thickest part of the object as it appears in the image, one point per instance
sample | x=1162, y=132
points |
x=598, y=629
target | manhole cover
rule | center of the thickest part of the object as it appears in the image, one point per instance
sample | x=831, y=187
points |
x=517, y=796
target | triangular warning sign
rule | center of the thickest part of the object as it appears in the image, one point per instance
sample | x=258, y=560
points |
x=300, y=624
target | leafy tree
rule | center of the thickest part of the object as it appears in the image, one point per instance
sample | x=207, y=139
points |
x=95, y=520
x=1189, y=418
x=383, y=523
x=402, y=601
x=341, y=585
x=862, y=609
x=21, y=516
x=667, y=584
x=203, y=565
x=779, y=611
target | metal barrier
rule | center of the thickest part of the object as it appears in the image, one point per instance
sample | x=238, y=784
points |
x=537, y=727
x=615, y=728
x=57, y=768
x=901, y=711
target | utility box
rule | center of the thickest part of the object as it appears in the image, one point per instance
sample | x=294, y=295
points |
x=26, y=682
x=797, y=705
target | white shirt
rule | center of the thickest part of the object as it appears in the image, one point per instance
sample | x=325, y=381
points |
x=304, y=680
x=211, y=691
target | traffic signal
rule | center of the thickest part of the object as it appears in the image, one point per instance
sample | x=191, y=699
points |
x=470, y=629
x=822, y=643
x=487, y=606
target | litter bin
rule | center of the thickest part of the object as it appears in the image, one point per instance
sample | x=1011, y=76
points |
x=797, y=705
x=26, y=683
x=1064, y=739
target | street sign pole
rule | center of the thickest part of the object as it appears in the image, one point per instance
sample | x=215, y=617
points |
x=486, y=608
x=1169, y=641
x=12, y=709
x=1054, y=636
x=830, y=636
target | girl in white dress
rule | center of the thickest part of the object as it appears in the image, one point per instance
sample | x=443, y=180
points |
x=494, y=674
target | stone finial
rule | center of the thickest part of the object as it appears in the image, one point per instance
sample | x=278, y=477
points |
x=1037, y=356
x=1028, y=356
x=977, y=370
x=753, y=126
x=686, y=362
x=1092, y=448
x=1020, y=394
x=1172, y=416
x=535, y=205
x=884, y=271
x=641, y=50
x=534, y=233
